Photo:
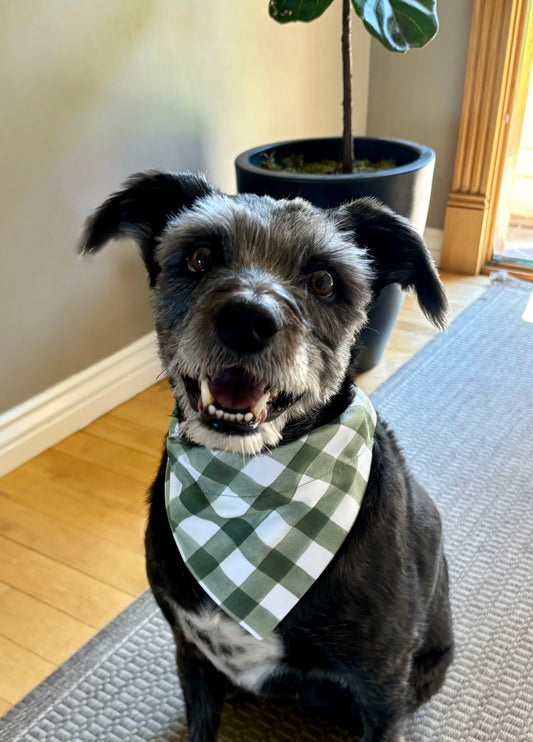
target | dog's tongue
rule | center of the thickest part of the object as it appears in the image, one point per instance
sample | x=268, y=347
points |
x=233, y=389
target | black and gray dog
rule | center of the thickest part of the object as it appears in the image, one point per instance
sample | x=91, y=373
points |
x=262, y=302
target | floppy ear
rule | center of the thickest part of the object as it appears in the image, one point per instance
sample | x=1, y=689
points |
x=398, y=253
x=141, y=210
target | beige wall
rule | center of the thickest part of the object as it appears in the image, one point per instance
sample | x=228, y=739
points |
x=93, y=90
x=418, y=95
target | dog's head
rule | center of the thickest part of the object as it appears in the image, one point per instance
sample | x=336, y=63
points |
x=258, y=303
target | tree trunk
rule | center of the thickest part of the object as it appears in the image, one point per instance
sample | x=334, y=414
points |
x=347, y=135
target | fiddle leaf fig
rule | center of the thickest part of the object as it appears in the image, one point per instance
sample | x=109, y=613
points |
x=399, y=24
x=285, y=11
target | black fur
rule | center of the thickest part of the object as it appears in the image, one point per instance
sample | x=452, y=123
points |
x=141, y=210
x=398, y=251
x=373, y=636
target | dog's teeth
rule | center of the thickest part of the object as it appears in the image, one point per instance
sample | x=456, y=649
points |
x=274, y=392
x=248, y=417
x=239, y=417
x=207, y=397
x=212, y=409
x=262, y=416
x=260, y=405
x=218, y=413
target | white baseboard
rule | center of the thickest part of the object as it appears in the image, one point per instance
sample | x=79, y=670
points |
x=433, y=238
x=40, y=422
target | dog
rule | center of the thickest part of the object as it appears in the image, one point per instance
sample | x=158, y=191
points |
x=259, y=305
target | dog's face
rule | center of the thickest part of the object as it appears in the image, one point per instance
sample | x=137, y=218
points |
x=258, y=303
x=256, y=306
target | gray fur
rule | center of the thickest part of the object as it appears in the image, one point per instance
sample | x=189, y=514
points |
x=265, y=245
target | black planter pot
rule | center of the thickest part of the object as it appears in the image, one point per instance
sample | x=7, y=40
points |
x=405, y=188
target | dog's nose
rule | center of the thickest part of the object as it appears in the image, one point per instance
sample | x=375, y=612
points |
x=246, y=325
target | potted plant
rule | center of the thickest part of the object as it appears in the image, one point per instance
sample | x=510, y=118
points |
x=331, y=171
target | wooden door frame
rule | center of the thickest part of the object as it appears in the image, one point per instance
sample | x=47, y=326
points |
x=497, y=33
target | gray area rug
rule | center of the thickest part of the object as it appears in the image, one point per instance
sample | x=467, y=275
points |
x=463, y=412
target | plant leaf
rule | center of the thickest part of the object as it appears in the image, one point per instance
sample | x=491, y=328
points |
x=399, y=24
x=285, y=11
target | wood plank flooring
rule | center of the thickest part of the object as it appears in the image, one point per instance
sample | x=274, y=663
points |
x=72, y=519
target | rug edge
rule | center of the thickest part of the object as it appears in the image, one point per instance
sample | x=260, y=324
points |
x=60, y=681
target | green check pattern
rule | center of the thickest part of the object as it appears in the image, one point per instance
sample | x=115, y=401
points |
x=257, y=531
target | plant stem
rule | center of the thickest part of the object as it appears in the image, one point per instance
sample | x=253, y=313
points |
x=347, y=135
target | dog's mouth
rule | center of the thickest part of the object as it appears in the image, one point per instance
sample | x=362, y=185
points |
x=232, y=401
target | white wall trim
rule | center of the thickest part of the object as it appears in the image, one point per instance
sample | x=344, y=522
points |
x=40, y=422
x=433, y=238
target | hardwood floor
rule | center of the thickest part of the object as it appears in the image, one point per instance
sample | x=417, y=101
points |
x=72, y=519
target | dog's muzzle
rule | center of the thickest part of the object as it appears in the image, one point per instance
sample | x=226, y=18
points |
x=231, y=400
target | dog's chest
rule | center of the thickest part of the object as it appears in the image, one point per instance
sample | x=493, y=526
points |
x=245, y=660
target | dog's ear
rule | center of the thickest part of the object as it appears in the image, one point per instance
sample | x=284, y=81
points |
x=398, y=253
x=141, y=210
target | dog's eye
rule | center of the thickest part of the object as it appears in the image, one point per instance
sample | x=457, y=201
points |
x=322, y=283
x=201, y=259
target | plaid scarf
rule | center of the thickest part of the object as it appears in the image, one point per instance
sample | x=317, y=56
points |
x=257, y=531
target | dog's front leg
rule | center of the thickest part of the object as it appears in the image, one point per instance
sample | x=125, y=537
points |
x=383, y=710
x=383, y=729
x=204, y=690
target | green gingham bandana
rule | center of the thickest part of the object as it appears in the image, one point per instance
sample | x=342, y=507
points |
x=257, y=531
